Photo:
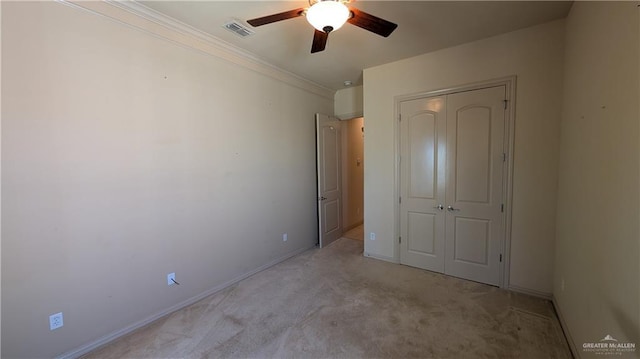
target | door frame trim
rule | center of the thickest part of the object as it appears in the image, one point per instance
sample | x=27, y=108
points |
x=507, y=184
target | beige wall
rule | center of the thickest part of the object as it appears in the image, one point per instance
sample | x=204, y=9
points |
x=535, y=56
x=597, y=270
x=126, y=157
x=348, y=103
x=352, y=173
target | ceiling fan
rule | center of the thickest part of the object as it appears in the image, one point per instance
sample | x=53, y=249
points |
x=327, y=16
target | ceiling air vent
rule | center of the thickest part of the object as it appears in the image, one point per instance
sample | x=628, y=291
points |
x=237, y=28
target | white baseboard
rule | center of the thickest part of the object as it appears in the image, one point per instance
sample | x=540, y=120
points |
x=531, y=292
x=565, y=329
x=382, y=258
x=102, y=341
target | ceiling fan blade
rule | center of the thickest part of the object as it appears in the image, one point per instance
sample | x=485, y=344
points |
x=372, y=23
x=319, y=41
x=276, y=17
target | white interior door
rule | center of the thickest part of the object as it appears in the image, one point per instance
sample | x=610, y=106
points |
x=422, y=176
x=475, y=166
x=451, y=183
x=328, y=140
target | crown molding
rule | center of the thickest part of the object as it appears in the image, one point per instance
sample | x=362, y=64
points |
x=142, y=18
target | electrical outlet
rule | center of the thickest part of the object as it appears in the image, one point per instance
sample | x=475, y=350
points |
x=285, y=237
x=55, y=321
x=372, y=236
x=171, y=279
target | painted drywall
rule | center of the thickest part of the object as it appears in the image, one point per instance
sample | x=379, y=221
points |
x=126, y=157
x=352, y=173
x=597, y=267
x=535, y=56
x=348, y=103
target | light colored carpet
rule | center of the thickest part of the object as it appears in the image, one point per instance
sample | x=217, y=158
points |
x=335, y=303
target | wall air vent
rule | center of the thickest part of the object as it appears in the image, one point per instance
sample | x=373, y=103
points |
x=237, y=28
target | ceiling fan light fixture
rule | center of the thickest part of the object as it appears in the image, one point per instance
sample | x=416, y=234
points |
x=328, y=15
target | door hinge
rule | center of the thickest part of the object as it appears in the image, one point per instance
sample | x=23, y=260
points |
x=400, y=200
x=504, y=157
x=500, y=257
x=502, y=207
x=399, y=239
x=399, y=117
x=505, y=104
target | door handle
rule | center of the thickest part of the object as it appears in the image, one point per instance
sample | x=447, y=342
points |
x=322, y=198
x=451, y=209
x=440, y=207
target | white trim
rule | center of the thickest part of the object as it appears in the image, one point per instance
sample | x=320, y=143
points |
x=396, y=179
x=382, y=258
x=510, y=90
x=531, y=292
x=565, y=329
x=509, y=142
x=84, y=349
x=161, y=26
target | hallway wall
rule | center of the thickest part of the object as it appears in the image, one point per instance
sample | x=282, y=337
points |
x=352, y=173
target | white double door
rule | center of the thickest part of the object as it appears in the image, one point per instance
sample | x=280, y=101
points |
x=452, y=162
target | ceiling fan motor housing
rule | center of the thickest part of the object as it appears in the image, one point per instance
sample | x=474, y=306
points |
x=328, y=15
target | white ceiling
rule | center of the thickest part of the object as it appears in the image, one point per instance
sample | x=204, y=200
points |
x=423, y=26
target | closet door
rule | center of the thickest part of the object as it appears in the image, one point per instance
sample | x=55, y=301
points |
x=422, y=187
x=474, y=181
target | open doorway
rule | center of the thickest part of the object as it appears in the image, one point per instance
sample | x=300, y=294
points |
x=353, y=178
x=340, y=178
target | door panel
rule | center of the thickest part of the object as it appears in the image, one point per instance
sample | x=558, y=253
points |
x=328, y=142
x=422, y=176
x=471, y=240
x=331, y=220
x=475, y=146
x=473, y=129
x=421, y=233
x=422, y=154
